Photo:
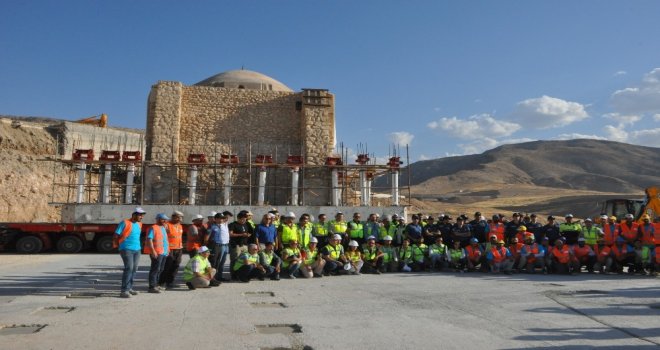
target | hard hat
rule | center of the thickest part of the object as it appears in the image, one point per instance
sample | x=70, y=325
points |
x=646, y=217
x=353, y=244
x=177, y=213
x=202, y=249
x=581, y=240
x=198, y=217
x=474, y=240
x=568, y=216
x=211, y=214
x=500, y=242
x=604, y=217
x=588, y=220
x=613, y=218
x=522, y=228
x=386, y=218
x=387, y=238
x=629, y=216
x=290, y=215
x=313, y=240
x=347, y=266
x=139, y=211
x=161, y=216
x=370, y=238
x=336, y=237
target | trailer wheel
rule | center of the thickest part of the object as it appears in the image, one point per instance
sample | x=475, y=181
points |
x=29, y=245
x=69, y=244
x=104, y=244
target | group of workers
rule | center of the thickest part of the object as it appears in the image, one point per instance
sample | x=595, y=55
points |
x=289, y=246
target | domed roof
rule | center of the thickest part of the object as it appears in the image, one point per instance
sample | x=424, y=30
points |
x=244, y=79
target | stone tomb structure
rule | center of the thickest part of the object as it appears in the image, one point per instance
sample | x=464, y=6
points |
x=242, y=113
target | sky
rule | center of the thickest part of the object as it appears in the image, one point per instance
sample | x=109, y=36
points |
x=444, y=77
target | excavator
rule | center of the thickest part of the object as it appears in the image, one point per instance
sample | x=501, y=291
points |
x=638, y=207
x=97, y=120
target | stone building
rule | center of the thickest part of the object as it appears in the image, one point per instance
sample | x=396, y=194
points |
x=242, y=113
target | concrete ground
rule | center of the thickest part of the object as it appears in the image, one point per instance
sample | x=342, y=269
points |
x=391, y=311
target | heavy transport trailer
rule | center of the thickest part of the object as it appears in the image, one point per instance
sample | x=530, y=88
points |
x=32, y=238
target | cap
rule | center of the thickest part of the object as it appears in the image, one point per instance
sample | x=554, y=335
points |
x=313, y=240
x=545, y=239
x=474, y=240
x=532, y=215
x=161, y=216
x=212, y=214
x=227, y=213
x=551, y=217
x=477, y=213
x=336, y=237
x=139, y=210
x=629, y=216
x=522, y=228
x=493, y=236
x=568, y=215
x=370, y=238
x=219, y=216
x=353, y=244
x=202, y=249
x=177, y=213
x=581, y=240
x=496, y=217
x=198, y=217
x=271, y=215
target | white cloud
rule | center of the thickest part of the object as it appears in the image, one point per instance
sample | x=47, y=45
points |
x=401, y=138
x=424, y=157
x=628, y=119
x=640, y=99
x=650, y=137
x=620, y=73
x=475, y=127
x=548, y=112
x=487, y=143
x=573, y=136
x=615, y=133
x=656, y=117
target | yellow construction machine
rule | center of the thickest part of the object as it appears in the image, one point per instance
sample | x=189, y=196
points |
x=97, y=120
x=638, y=207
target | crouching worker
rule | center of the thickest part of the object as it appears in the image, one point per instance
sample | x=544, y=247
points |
x=373, y=257
x=500, y=259
x=270, y=261
x=354, y=257
x=438, y=254
x=390, y=259
x=247, y=265
x=312, y=261
x=531, y=255
x=333, y=254
x=198, y=272
x=456, y=258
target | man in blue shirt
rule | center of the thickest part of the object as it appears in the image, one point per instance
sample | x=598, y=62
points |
x=219, y=235
x=127, y=239
x=266, y=231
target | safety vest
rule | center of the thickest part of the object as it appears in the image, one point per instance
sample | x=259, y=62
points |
x=657, y=255
x=437, y=249
x=353, y=256
x=159, y=247
x=406, y=254
x=498, y=254
x=321, y=229
x=356, y=229
x=289, y=252
x=254, y=258
x=338, y=226
x=629, y=232
x=515, y=249
x=188, y=273
x=370, y=254
x=174, y=235
x=386, y=231
x=335, y=252
x=310, y=256
x=388, y=253
x=267, y=258
x=562, y=254
x=370, y=229
x=418, y=251
x=304, y=235
x=251, y=224
x=590, y=235
x=128, y=227
x=603, y=252
x=619, y=252
x=648, y=234
x=611, y=232
x=194, y=241
x=456, y=254
x=581, y=252
x=531, y=249
x=473, y=253
x=646, y=254
x=289, y=233
x=498, y=230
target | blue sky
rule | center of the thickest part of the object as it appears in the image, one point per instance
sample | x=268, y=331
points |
x=447, y=77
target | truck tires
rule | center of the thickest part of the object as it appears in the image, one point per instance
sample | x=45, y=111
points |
x=104, y=244
x=69, y=244
x=29, y=245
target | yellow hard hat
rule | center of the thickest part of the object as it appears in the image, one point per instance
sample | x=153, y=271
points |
x=522, y=228
x=500, y=242
x=646, y=217
x=613, y=218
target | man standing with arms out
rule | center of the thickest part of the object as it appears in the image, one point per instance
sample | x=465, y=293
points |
x=219, y=233
x=356, y=229
x=175, y=242
x=198, y=272
x=195, y=236
x=238, y=238
x=321, y=230
x=288, y=231
x=127, y=240
x=570, y=230
x=266, y=232
x=157, y=246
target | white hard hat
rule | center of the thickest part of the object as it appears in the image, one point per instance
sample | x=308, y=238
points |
x=198, y=217
x=337, y=237
x=212, y=214
x=313, y=240
x=604, y=217
x=371, y=237
x=353, y=244
x=630, y=216
x=290, y=215
x=387, y=238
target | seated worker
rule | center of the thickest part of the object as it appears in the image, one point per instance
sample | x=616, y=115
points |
x=390, y=259
x=532, y=255
x=312, y=260
x=603, y=256
x=405, y=253
x=475, y=256
x=584, y=256
x=622, y=255
x=547, y=258
x=499, y=259
x=563, y=260
x=270, y=261
x=372, y=257
x=515, y=247
x=438, y=254
x=291, y=259
x=456, y=257
x=247, y=265
x=354, y=257
x=198, y=272
x=333, y=254
x=420, y=255
x=642, y=257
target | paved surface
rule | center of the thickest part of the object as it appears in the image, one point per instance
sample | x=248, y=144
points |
x=393, y=311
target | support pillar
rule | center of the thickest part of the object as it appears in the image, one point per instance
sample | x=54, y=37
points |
x=335, y=187
x=227, y=187
x=395, y=187
x=261, y=196
x=295, y=173
x=192, y=186
x=80, y=192
x=130, y=178
x=106, y=181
